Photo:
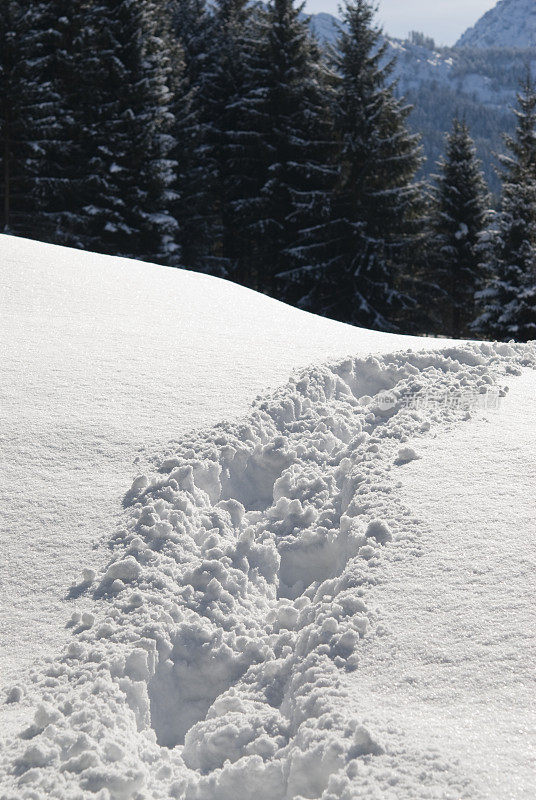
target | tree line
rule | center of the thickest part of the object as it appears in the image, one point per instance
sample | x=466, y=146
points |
x=223, y=139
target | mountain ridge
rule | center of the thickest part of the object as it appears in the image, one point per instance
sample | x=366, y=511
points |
x=511, y=23
x=473, y=81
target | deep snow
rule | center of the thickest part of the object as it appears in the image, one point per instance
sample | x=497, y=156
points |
x=458, y=674
x=265, y=619
x=102, y=360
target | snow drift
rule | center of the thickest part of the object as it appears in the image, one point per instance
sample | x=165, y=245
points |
x=208, y=658
x=104, y=360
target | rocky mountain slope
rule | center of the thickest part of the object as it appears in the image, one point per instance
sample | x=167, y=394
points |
x=511, y=23
x=477, y=79
x=477, y=84
x=326, y=27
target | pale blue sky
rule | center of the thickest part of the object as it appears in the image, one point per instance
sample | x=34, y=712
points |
x=445, y=20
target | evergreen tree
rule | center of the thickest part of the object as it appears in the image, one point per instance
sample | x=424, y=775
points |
x=9, y=23
x=196, y=133
x=237, y=107
x=459, y=217
x=125, y=131
x=29, y=114
x=508, y=301
x=256, y=143
x=299, y=172
x=362, y=254
x=61, y=179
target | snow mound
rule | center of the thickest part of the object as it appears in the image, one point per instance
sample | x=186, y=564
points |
x=103, y=360
x=210, y=661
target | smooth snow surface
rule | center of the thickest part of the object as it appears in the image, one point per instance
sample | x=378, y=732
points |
x=458, y=673
x=102, y=359
x=326, y=595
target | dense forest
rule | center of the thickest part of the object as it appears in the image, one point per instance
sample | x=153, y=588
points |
x=223, y=138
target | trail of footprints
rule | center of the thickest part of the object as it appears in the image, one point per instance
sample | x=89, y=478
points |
x=209, y=665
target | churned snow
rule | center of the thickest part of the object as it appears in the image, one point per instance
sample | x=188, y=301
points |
x=103, y=360
x=321, y=592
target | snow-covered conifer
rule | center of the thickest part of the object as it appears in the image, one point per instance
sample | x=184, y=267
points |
x=365, y=249
x=123, y=70
x=508, y=300
x=195, y=130
x=237, y=109
x=29, y=117
x=459, y=217
x=299, y=149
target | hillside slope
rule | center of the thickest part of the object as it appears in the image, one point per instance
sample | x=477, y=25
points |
x=325, y=595
x=479, y=85
x=511, y=23
x=103, y=361
x=477, y=80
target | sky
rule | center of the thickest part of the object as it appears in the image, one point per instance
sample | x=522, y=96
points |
x=445, y=20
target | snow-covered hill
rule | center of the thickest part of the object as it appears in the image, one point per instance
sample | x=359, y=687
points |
x=103, y=362
x=511, y=23
x=324, y=592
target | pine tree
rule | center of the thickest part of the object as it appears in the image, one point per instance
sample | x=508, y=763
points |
x=508, y=301
x=298, y=147
x=237, y=105
x=61, y=177
x=9, y=17
x=459, y=217
x=255, y=159
x=362, y=254
x=195, y=131
x=125, y=123
x=29, y=117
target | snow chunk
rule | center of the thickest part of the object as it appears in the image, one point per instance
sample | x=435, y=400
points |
x=88, y=576
x=15, y=694
x=126, y=570
x=406, y=455
x=364, y=744
x=36, y=755
x=87, y=619
x=379, y=531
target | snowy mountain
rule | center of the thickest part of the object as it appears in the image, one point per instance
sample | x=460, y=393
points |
x=477, y=84
x=326, y=27
x=227, y=572
x=478, y=80
x=511, y=23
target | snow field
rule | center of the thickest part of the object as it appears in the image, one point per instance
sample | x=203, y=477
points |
x=458, y=672
x=102, y=361
x=210, y=658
